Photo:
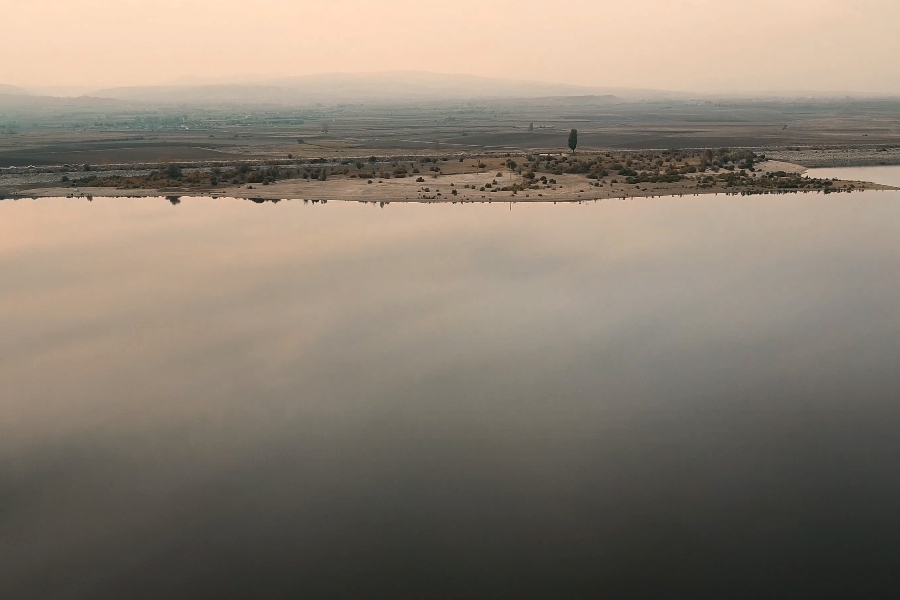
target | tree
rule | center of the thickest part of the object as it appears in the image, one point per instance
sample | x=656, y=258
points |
x=573, y=140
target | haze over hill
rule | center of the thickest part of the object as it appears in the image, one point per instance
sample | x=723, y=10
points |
x=697, y=46
x=361, y=87
x=11, y=90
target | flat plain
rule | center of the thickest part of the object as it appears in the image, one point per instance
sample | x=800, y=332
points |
x=423, y=151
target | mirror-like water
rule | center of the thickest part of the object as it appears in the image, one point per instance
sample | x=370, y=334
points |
x=223, y=399
x=883, y=175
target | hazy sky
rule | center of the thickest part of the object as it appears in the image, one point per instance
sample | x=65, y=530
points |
x=694, y=45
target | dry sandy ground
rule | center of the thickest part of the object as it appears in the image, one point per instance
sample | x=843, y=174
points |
x=774, y=166
x=568, y=188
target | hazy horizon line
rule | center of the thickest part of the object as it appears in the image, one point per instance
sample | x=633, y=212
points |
x=250, y=80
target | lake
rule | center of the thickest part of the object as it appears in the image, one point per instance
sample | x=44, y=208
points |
x=224, y=399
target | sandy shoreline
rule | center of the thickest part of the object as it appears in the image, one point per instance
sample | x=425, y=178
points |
x=509, y=178
x=461, y=187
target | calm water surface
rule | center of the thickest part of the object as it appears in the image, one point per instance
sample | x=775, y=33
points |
x=884, y=175
x=222, y=399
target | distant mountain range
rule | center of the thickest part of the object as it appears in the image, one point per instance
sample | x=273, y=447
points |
x=11, y=90
x=354, y=88
x=23, y=101
x=335, y=88
x=346, y=88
